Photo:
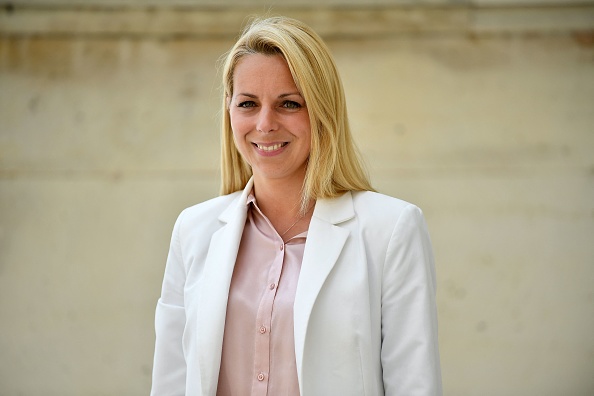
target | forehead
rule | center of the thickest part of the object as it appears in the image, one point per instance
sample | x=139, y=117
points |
x=258, y=72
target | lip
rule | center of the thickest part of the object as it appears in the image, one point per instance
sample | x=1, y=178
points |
x=270, y=149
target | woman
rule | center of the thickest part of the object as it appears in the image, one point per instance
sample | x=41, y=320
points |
x=298, y=279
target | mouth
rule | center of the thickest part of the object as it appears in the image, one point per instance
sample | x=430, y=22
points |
x=270, y=147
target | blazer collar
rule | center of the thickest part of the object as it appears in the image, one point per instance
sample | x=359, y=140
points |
x=238, y=204
x=332, y=210
x=214, y=290
x=325, y=241
x=335, y=210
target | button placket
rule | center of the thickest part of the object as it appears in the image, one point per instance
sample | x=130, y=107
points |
x=267, y=252
x=264, y=319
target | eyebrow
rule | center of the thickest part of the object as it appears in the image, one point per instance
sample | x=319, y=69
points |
x=289, y=94
x=280, y=96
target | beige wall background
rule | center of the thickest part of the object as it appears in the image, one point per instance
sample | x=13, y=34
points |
x=480, y=112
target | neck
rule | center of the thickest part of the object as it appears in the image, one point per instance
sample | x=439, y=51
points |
x=280, y=201
x=278, y=196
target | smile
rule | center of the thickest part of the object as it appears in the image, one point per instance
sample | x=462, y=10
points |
x=270, y=147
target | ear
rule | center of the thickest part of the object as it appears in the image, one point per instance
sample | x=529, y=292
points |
x=228, y=99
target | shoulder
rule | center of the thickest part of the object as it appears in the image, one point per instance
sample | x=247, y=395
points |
x=374, y=198
x=381, y=208
x=205, y=213
x=213, y=206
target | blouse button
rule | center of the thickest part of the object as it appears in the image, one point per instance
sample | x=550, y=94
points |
x=261, y=377
x=282, y=247
x=262, y=329
x=272, y=286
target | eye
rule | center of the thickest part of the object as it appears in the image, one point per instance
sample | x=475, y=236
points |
x=246, y=104
x=289, y=104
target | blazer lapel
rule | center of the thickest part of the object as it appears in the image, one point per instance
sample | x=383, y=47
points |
x=325, y=240
x=214, y=291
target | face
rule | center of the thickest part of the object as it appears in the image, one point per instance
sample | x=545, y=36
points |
x=269, y=118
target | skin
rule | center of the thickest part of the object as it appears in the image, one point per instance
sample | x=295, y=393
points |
x=272, y=132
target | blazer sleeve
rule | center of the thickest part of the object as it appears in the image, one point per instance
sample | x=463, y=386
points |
x=410, y=355
x=169, y=366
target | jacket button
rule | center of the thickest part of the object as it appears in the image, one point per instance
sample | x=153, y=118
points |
x=261, y=377
x=262, y=329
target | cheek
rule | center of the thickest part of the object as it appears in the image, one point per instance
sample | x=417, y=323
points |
x=239, y=136
x=238, y=125
x=307, y=134
x=235, y=128
x=239, y=142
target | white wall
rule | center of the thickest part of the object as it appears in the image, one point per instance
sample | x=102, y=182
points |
x=104, y=139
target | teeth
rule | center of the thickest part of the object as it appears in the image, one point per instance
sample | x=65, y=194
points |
x=269, y=148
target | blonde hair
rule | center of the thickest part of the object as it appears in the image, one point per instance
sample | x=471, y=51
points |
x=334, y=165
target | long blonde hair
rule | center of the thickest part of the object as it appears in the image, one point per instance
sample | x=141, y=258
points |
x=334, y=165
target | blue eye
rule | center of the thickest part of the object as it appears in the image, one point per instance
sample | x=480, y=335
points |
x=289, y=104
x=247, y=103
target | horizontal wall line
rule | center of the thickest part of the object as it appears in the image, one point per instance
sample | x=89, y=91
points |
x=330, y=22
x=379, y=174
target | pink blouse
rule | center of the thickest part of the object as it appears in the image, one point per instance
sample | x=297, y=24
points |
x=258, y=355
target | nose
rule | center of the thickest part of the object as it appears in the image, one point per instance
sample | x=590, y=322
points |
x=266, y=120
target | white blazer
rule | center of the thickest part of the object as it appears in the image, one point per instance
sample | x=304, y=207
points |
x=364, y=315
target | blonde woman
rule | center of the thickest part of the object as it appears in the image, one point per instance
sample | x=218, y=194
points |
x=298, y=279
